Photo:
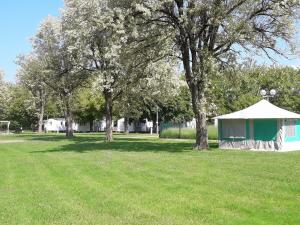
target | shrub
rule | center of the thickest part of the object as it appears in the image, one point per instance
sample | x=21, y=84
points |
x=212, y=132
x=188, y=133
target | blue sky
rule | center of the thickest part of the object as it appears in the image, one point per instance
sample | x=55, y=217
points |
x=19, y=20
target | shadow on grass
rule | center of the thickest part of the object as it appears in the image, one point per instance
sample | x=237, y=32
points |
x=78, y=137
x=84, y=144
x=56, y=138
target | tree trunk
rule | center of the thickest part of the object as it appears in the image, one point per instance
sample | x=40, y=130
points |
x=41, y=118
x=196, y=76
x=91, y=126
x=179, y=135
x=126, y=125
x=201, y=131
x=199, y=109
x=69, y=119
x=41, y=104
x=136, y=128
x=108, y=115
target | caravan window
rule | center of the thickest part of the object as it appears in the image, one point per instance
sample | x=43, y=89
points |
x=234, y=128
x=290, y=128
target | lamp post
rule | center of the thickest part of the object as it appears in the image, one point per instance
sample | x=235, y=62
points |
x=268, y=94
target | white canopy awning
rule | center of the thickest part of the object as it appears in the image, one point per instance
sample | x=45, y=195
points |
x=261, y=110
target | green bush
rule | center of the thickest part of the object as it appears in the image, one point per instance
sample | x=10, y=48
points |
x=212, y=133
x=188, y=133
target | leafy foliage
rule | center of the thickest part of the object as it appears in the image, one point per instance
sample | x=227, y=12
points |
x=89, y=106
x=210, y=34
x=237, y=88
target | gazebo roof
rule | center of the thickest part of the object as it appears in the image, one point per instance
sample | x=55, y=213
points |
x=261, y=110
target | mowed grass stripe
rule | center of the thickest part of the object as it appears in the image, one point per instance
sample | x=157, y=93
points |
x=114, y=188
x=42, y=200
x=144, y=181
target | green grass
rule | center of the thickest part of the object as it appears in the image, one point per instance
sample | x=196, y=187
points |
x=188, y=133
x=143, y=180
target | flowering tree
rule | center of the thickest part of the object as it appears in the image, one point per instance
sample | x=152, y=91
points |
x=158, y=83
x=99, y=34
x=211, y=33
x=4, y=96
x=30, y=76
x=61, y=67
x=105, y=34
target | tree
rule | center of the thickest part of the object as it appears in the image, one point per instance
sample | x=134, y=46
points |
x=104, y=32
x=18, y=105
x=89, y=106
x=239, y=87
x=178, y=108
x=4, y=96
x=20, y=110
x=30, y=76
x=61, y=64
x=158, y=84
x=210, y=33
x=235, y=88
x=99, y=34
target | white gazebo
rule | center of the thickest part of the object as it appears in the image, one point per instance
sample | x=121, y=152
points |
x=6, y=130
x=262, y=126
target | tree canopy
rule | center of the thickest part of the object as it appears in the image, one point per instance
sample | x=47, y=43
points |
x=210, y=34
x=122, y=59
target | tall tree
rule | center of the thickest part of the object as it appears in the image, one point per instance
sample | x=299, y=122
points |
x=63, y=74
x=16, y=105
x=209, y=33
x=30, y=76
x=3, y=96
x=20, y=110
x=89, y=106
x=99, y=33
x=177, y=109
x=104, y=31
x=239, y=87
x=158, y=84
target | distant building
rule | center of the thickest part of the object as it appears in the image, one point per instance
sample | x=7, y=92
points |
x=141, y=126
x=59, y=125
x=191, y=124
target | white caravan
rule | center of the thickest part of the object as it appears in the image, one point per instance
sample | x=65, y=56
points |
x=143, y=126
x=59, y=125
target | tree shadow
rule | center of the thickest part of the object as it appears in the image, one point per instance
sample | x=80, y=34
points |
x=56, y=138
x=96, y=143
x=121, y=146
x=80, y=137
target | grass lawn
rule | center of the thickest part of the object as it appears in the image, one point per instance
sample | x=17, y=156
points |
x=140, y=180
